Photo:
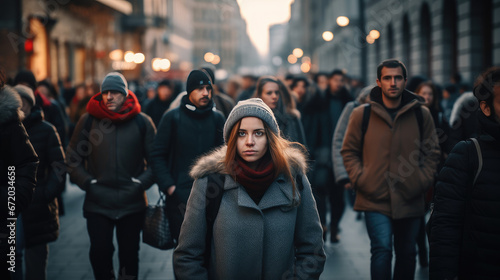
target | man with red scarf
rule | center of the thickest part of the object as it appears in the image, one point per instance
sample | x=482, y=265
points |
x=107, y=158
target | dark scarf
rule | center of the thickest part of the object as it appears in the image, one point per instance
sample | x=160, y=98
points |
x=256, y=182
x=197, y=112
x=129, y=109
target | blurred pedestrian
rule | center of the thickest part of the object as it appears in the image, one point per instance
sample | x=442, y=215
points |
x=341, y=176
x=321, y=79
x=107, y=158
x=160, y=103
x=465, y=228
x=40, y=221
x=18, y=162
x=51, y=110
x=267, y=226
x=276, y=95
x=390, y=152
x=428, y=90
x=329, y=106
x=247, y=87
x=185, y=133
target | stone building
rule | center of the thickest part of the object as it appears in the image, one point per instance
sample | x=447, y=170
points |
x=433, y=38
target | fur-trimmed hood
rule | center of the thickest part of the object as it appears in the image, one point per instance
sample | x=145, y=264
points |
x=10, y=105
x=213, y=162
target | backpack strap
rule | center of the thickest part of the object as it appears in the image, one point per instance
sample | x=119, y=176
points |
x=214, y=193
x=364, y=124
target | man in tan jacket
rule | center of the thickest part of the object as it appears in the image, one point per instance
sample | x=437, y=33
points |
x=391, y=152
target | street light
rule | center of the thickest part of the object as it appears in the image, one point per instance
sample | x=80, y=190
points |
x=328, y=36
x=216, y=60
x=374, y=34
x=343, y=21
x=297, y=52
x=209, y=57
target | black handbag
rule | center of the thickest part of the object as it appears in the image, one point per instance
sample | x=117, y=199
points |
x=156, y=230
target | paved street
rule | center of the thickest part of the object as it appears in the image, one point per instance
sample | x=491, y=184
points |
x=68, y=256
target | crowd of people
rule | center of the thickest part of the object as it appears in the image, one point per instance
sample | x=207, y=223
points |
x=287, y=152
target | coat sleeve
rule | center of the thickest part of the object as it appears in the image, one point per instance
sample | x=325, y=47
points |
x=309, y=254
x=147, y=177
x=448, y=215
x=430, y=150
x=189, y=255
x=161, y=154
x=341, y=176
x=75, y=159
x=352, y=147
x=57, y=178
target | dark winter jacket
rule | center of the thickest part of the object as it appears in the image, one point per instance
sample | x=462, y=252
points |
x=115, y=174
x=184, y=134
x=41, y=219
x=393, y=166
x=465, y=238
x=17, y=152
x=156, y=108
x=328, y=111
x=271, y=240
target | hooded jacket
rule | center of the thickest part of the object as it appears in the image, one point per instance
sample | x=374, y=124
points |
x=113, y=168
x=392, y=170
x=16, y=152
x=465, y=239
x=41, y=218
x=271, y=240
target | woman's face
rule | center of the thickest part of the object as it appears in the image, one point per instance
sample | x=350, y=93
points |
x=270, y=94
x=426, y=93
x=251, y=143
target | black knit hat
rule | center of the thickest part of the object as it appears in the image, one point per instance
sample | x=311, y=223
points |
x=196, y=79
x=115, y=81
x=27, y=78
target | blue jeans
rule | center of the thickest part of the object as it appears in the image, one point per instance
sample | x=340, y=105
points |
x=381, y=230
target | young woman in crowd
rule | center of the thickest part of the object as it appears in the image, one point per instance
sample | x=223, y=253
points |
x=267, y=226
x=277, y=96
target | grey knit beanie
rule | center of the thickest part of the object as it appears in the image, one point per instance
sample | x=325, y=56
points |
x=26, y=93
x=253, y=107
x=115, y=81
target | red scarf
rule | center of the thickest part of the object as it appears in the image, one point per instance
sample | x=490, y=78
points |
x=256, y=182
x=129, y=109
x=45, y=100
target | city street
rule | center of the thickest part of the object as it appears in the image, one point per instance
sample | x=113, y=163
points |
x=68, y=256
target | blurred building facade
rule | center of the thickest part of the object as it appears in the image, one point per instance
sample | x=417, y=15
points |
x=83, y=40
x=433, y=38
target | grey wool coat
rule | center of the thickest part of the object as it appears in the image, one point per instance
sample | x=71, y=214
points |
x=271, y=240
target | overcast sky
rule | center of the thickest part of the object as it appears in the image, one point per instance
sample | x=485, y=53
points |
x=259, y=15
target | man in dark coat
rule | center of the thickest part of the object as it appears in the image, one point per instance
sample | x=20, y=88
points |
x=158, y=105
x=185, y=133
x=40, y=221
x=465, y=228
x=18, y=162
x=107, y=158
